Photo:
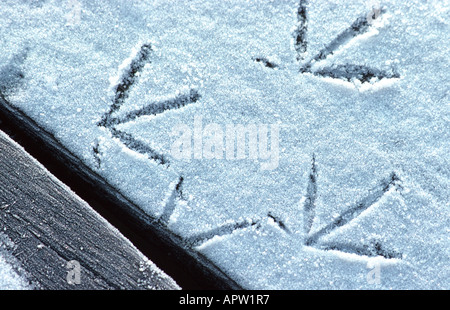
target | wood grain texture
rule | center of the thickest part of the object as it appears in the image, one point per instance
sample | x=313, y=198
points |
x=50, y=226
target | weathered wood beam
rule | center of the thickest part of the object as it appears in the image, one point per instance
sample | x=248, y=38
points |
x=50, y=226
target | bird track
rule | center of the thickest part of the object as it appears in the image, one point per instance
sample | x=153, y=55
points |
x=347, y=72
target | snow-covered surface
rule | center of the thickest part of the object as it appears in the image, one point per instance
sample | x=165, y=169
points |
x=10, y=278
x=382, y=145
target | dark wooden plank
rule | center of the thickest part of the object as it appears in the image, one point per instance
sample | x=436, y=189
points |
x=51, y=226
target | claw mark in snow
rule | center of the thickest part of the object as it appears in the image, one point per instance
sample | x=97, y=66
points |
x=267, y=63
x=372, y=249
x=228, y=229
x=127, y=80
x=159, y=107
x=171, y=202
x=359, y=27
x=138, y=146
x=223, y=230
x=354, y=211
x=300, y=42
x=279, y=222
x=375, y=248
x=348, y=71
x=311, y=194
x=12, y=74
x=96, y=151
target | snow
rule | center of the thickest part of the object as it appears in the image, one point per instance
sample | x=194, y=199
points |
x=359, y=132
x=11, y=275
